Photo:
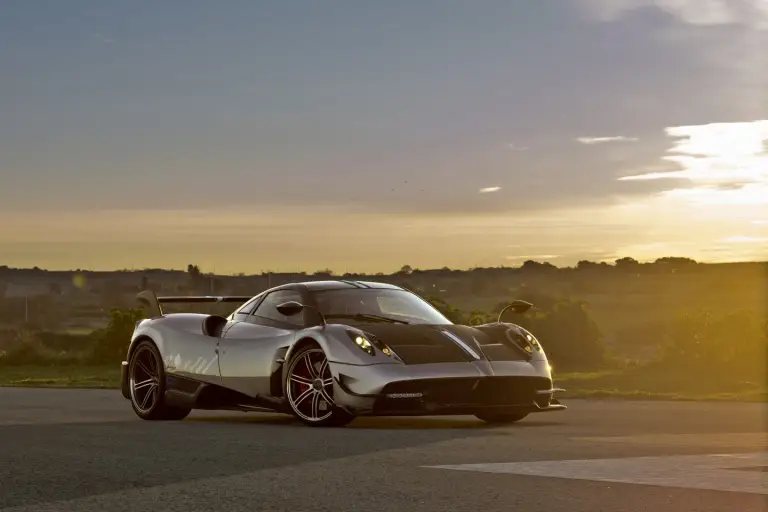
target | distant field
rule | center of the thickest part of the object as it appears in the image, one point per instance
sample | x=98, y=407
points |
x=644, y=384
x=61, y=376
x=628, y=384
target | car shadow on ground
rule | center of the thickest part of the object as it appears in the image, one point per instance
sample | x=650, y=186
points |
x=374, y=423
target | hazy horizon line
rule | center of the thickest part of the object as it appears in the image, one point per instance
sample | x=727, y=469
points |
x=414, y=269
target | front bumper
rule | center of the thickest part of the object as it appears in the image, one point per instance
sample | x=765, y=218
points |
x=452, y=395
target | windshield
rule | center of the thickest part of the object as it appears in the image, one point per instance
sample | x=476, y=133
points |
x=399, y=305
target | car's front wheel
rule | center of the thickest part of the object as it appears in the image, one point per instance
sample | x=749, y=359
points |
x=309, y=389
x=500, y=418
x=147, y=385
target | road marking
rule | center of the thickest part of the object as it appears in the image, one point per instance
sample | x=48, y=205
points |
x=717, y=472
x=735, y=440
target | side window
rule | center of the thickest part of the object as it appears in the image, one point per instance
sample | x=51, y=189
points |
x=248, y=306
x=267, y=308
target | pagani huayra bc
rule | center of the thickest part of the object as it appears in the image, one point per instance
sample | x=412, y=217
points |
x=328, y=351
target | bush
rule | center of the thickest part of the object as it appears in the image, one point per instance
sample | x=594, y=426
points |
x=732, y=344
x=569, y=335
x=451, y=313
x=27, y=348
x=110, y=345
x=103, y=346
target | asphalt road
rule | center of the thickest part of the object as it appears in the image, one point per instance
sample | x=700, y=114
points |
x=84, y=450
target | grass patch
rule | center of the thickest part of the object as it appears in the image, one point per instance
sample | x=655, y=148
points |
x=649, y=382
x=61, y=376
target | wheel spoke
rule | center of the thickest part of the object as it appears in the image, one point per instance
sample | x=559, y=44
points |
x=143, y=384
x=144, y=368
x=310, y=368
x=150, y=393
x=326, y=397
x=301, y=380
x=328, y=382
x=316, y=405
x=153, y=365
x=322, y=369
x=303, y=396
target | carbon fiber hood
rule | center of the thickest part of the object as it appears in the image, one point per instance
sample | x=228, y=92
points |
x=424, y=344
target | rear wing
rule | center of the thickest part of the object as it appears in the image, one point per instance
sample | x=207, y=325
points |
x=154, y=303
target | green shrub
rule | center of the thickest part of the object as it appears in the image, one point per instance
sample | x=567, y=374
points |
x=27, y=348
x=110, y=345
x=730, y=344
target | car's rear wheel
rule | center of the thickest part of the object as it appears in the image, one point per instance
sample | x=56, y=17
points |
x=309, y=389
x=500, y=418
x=147, y=385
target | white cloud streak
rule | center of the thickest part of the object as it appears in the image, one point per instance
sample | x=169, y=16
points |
x=751, y=13
x=719, y=154
x=602, y=140
x=741, y=239
x=488, y=190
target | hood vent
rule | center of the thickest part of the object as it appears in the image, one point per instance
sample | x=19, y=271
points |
x=461, y=343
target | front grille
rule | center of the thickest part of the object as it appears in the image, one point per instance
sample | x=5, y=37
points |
x=426, y=354
x=482, y=391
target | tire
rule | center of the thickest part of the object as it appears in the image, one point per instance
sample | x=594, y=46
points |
x=309, y=390
x=146, y=385
x=501, y=418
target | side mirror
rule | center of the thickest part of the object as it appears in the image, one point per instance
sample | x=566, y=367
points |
x=518, y=306
x=290, y=308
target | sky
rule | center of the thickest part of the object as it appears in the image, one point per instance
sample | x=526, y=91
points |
x=361, y=136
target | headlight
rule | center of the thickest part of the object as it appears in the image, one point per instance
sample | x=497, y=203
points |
x=364, y=344
x=368, y=345
x=531, y=339
x=523, y=339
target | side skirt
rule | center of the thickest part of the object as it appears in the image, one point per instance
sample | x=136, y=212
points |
x=188, y=393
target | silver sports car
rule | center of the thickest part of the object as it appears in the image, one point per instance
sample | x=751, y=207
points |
x=328, y=351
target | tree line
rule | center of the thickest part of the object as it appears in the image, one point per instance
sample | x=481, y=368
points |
x=733, y=343
x=666, y=264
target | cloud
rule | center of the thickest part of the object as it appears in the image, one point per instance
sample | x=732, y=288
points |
x=602, y=140
x=725, y=162
x=741, y=239
x=488, y=190
x=101, y=38
x=514, y=147
x=707, y=13
x=535, y=257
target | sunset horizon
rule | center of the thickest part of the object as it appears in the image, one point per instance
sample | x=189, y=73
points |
x=295, y=136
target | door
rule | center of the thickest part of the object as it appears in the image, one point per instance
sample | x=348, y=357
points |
x=249, y=348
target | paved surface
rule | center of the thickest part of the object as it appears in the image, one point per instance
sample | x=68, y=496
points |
x=78, y=450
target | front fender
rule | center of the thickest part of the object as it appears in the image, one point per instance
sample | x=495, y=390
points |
x=338, y=345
